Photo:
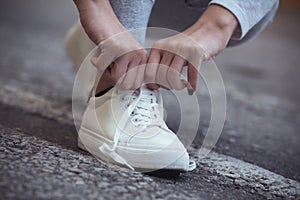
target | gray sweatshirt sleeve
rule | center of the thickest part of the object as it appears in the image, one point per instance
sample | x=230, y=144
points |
x=253, y=16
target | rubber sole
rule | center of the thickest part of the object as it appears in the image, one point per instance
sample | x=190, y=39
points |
x=90, y=142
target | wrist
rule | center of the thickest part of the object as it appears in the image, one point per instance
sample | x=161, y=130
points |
x=213, y=29
x=224, y=20
x=216, y=18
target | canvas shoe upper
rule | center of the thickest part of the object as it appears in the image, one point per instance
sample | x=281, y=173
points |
x=127, y=128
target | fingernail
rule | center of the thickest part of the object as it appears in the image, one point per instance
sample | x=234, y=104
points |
x=190, y=91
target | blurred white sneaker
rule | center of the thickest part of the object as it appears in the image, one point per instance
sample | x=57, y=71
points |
x=127, y=128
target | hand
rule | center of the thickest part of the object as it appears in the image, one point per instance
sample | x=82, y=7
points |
x=121, y=61
x=205, y=39
x=167, y=59
x=118, y=53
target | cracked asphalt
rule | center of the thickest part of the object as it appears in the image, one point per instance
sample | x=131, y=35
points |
x=257, y=156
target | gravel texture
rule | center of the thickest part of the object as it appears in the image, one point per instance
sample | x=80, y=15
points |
x=33, y=168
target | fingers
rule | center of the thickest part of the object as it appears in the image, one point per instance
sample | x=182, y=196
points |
x=194, y=64
x=174, y=72
x=126, y=54
x=128, y=71
x=140, y=73
x=151, y=69
x=193, y=76
x=130, y=76
x=164, y=67
x=161, y=74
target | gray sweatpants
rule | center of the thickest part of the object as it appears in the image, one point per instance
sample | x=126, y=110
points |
x=133, y=14
x=253, y=17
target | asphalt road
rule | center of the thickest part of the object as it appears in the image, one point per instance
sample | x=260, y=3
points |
x=262, y=123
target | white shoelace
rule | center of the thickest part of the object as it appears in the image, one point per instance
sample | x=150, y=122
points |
x=139, y=110
x=141, y=115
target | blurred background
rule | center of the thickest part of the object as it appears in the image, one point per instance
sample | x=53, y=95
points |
x=261, y=78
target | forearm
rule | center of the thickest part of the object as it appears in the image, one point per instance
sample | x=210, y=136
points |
x=98, y=19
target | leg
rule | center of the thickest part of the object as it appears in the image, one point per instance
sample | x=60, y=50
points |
x=133, y=14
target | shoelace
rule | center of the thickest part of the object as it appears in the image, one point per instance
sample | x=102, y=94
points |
x=141, y=115
x=139, y=109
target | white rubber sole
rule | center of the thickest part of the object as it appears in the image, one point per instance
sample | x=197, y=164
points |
x=140, y=160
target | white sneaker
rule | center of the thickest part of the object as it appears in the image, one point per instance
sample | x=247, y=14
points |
x=127, y=128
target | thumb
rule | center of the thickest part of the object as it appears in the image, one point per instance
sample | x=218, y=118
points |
x=103, y=60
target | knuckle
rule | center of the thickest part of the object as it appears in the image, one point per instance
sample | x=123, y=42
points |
x=194, y=47
x=190, y=47
x=133, y=56
x=137, y=55
x=144, y=55
x=144, y=59
x=143, y=52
